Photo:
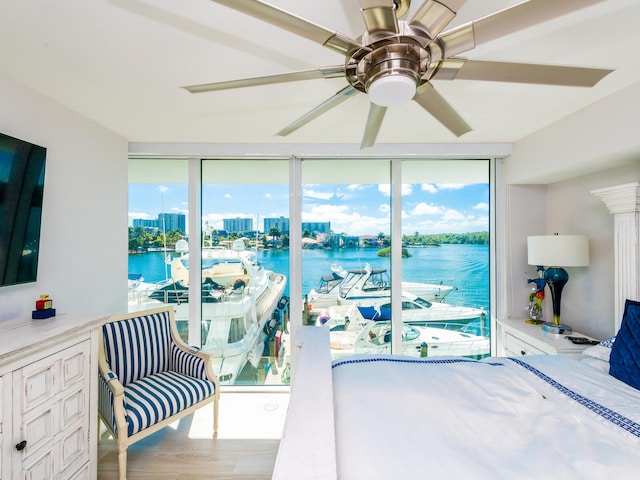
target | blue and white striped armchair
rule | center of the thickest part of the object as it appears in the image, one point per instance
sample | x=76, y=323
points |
x=149, y=378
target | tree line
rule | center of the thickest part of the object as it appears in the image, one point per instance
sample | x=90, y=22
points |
x=143, y=238
x=469, y=238
x=140, y=237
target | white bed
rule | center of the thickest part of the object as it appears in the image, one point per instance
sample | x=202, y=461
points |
x=384, y=417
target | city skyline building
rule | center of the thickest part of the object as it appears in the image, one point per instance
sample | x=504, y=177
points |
x=166, y=222
x=238, y=224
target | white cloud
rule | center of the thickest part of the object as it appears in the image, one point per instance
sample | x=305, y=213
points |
x=482, y=206
x=385, y=189
x=141, y=215
x=163, y=189
x=227, y=195
x=452, y=214
x=451, y=186
x=384, y=208
x=325, y=211
x=343, y=220
x=435, y=188
x=267, y=195
x=424, y=209
x=315, y=194
x=428, y=187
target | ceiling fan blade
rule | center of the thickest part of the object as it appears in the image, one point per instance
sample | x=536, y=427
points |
x=374, y=122
x=504, y=22
x=294, y=24
x=463, y=69
x=322, y=72
x=325, y=106
x=433, y=16
x=379, y=16
x=429, y=99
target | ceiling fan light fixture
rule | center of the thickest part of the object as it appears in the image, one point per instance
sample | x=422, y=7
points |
x=391, y=90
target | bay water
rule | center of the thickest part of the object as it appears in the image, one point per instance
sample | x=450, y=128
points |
x=465, y=267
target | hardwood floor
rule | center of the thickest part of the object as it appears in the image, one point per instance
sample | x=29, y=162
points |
x=250, y=425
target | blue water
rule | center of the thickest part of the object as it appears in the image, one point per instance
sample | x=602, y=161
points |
x=465, y=267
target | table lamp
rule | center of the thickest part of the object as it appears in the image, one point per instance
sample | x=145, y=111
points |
x=553, y=252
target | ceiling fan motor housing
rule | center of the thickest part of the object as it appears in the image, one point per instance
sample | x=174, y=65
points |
x=393, y=59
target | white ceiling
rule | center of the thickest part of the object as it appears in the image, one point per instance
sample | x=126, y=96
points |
x=122, y=63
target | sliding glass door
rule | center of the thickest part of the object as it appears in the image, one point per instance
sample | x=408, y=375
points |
x=245, y=268
x=391, y=255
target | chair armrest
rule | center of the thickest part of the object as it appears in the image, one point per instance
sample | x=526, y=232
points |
x=109, y=377
x=110, y=395
x=192, y=362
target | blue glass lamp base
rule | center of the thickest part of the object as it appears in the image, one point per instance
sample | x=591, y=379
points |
x=556, y=278
x=557, y=328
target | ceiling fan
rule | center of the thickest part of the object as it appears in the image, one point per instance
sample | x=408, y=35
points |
x=394, y=60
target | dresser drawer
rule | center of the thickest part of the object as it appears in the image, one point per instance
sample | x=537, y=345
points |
x=515, y=347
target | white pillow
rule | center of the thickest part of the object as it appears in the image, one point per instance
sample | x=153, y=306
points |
x=601, y=351
x=596, y=363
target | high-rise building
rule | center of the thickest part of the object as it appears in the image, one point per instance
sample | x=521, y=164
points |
x=317, y=227
x=169, y=222
x=238, y=224
x=166, y=222
x=281, y=223
x=147, y=224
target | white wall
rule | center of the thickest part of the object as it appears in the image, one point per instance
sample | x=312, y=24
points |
x=83, y=257
x=598, y=137
x=568, y=207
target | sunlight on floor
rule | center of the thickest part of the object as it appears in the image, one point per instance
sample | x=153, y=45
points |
x=243, y=416
x=249, y=428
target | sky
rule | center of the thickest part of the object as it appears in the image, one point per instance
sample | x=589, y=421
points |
x=355, y=209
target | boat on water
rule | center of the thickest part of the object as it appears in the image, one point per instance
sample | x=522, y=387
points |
x=415, y=311
x=367, y=286
x=241, y=301
x=355, y=334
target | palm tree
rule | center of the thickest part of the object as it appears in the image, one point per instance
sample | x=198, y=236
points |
x=275, y=233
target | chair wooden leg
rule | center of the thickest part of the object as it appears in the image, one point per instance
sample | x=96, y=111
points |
x=122, y=464
x=215, y=417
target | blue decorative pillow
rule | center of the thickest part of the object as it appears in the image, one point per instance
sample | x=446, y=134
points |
x=608, y=342
x=625, y=352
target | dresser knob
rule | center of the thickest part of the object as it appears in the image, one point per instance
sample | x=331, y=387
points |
x=21, y=446
x=523, y=353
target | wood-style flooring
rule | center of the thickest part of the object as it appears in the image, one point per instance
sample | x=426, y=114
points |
x=250, y=425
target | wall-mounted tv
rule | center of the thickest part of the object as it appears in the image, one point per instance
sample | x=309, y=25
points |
x=21, y=191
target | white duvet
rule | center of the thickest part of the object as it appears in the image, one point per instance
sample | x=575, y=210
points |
x=492, y=419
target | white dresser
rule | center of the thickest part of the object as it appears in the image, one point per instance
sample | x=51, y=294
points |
x=48, y=383
x=517, y=338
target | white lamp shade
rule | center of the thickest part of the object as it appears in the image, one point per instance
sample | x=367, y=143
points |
x=558, y=250
x=391, y=90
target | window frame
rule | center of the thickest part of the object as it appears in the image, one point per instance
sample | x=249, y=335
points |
x=496, y=268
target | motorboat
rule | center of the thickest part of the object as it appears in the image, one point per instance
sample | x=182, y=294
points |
x=367, y=286
x=375, y=337
x=415, y=311
x=240, y=300
x=355, y=334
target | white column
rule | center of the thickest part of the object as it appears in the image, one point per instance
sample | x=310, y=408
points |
x=623, y=201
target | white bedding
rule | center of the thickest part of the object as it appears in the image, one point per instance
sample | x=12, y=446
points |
x=400, y=418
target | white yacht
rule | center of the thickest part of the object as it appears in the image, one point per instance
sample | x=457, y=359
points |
x=351, y=332
x=239, y=298
x=367, y=286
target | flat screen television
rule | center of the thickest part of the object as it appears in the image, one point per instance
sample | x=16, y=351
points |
x=21, y=192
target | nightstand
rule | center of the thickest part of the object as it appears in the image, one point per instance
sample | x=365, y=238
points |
x=516, y=338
